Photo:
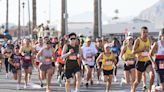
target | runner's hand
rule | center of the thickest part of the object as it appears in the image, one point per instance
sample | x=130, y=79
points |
x=71, y=51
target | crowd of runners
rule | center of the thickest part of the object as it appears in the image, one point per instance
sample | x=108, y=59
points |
x=76, y=59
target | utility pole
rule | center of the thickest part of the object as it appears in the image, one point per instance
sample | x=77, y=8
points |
x=96, y=22
x=19, y=30
x=64, y=17
x=7, y=15
x=34, y=17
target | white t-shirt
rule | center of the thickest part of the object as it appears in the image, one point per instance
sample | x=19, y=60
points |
x=88, y=53
x=160, y=48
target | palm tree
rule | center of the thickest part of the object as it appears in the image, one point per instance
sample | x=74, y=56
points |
x=34, y=17
x=96, y=22
x=63, y=17
x=18, y=33
x=7, y=15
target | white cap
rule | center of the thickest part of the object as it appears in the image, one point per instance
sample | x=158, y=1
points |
x=107, y=45
x=130, y=34
x=129, y=37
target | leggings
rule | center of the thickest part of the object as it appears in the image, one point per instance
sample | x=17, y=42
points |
x=7, y=65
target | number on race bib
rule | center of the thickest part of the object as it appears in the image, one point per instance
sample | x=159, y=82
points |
x=109, y=62
x=48, y=60
x=72, y=57
x=130, y=62
x=145, y=54
x=161, y=65
x=27, y=57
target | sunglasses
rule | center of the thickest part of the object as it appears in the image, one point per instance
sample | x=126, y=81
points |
x=72, y=38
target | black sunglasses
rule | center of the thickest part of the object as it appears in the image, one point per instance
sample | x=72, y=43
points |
x=72, y=38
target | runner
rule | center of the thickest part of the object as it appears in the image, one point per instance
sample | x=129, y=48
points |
x=108, y=63
x=88, y=53
x=15, y=61
x=158, y=50
x=116, y=50
x=141, y=49
x=46, y=68
x=38, y=47
x=99, y=47
x=7, y=51
x=60, y=62
x=27, y=50
x=129, y=62
x=72, y=69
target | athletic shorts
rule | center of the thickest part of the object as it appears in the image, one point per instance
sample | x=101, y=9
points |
x=53, y=64
x=70, y=72
x=90, y=66
x=141, y=66
x=108, y=72
x=45, y=67
x=26, y=65
x=14, y=70
x=160, y=71
x=128, y=67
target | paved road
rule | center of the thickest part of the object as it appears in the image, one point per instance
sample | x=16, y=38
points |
x=9, y=85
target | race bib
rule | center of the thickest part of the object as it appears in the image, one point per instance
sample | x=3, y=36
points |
x=48, y=60
x=145, y=54
x=109, y=62
x=161, y=65
x=115, y=55
x=130, y=62
x=17, y=65
x=27, y=57
x=72, y=57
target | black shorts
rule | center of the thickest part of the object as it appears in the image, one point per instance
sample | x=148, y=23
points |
x=26, y=65
x=14, y=70
x=160, y=71
x=70, y=72
x=129, y=67
x=90, y=66
x=108, y=72
x=141, y=66
x=53, y=64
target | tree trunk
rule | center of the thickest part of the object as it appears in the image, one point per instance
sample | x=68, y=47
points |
x=34, y=16
x=7, y=15
x=19, y=30
x=63, y=17
x=96, y=22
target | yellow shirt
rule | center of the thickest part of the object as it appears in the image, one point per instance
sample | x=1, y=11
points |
x=128, y=54
x=143, y=56
x=107, y=64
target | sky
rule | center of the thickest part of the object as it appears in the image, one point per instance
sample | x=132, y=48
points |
x=51, y=9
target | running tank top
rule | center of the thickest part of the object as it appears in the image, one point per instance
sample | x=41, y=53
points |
x=107, y=64
x=27, y=54
x=128, y=54
x=71, y=60
x=143, y=56
x=160, y=48
x=47, y=56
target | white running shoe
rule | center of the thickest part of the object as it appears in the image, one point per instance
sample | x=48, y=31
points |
x=18, y=86
x=7, y=76
x=115, y=79
x=121, y=83
x=25, y=85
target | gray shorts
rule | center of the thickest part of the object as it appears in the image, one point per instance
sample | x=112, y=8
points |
x=26, y=65
x=45, y=67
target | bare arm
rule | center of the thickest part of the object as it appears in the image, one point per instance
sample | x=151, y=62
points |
x=153, y=51
x=123, y=50
x=64, y=54
x=136, y=45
